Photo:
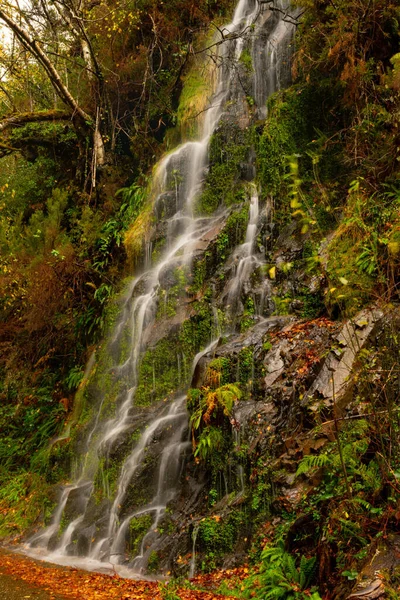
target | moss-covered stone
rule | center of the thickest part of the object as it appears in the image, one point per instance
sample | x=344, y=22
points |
x=297, y=125
x=217, y=537
x=229, y=149
x=166, y=367
x=137, y=529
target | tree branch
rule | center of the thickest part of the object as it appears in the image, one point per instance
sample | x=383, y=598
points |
x=22, y=118
x=287, y=17
x=34, y=48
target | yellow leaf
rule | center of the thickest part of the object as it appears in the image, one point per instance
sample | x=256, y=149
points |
x=272, y=272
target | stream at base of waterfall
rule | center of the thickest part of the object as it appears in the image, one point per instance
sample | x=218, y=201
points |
x=268, y=36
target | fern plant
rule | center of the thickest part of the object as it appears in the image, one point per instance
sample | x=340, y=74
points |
x=312, y=461
x=281, y=579
x=210, y=419
x=211, y=403
x=210, y=440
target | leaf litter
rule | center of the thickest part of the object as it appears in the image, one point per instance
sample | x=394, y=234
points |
x=74, y=584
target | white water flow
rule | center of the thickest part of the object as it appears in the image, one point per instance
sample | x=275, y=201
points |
x=245, y=260
x=75, y=535
x=192, y=569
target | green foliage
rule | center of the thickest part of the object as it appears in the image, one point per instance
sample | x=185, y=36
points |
x=261, y=489
x=246, y=60
x=354, y=443
x=280, y=577
x=153, y=563
x=210, y=412
x=222, y=367
x=282, y=304
x=209, y=444
x=133, y=200
x=229, y=148
x=246, y=365
x=74, y=378
x=247, y=319
x=216, y=537
x=24, y=500
x=24, y=187
x=28, y=418
x=209, y=404
x=169, y=590
x=138, y=527
x=362, y=238
x=312, y=461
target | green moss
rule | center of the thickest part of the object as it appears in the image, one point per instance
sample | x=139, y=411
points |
x=196, y=91
x=199, y=273
x=232, y=234
x=154, y=562
x=197, y=331
x=138, y=527
x=106, y=478
x=159, y=372
x=246, y=365
x=221, y=365
x=157, y=250
x=229, y=147
x=246, y=60
x=217, y=537
x=350, y=288
x=247, y=319
x=169, y=299
x=166, y=367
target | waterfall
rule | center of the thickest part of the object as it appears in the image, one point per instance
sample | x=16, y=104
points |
x=94, y=536
x=244, y=258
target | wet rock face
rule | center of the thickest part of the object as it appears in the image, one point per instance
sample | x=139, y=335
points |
x=280, y=407
x=334, y=383
x=379, y=570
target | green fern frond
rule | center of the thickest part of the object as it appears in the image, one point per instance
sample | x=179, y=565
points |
x=275, y=594
x=307, y=571
x=362, y=503
x=290, y=569
x=313, y=461
x=274, y=554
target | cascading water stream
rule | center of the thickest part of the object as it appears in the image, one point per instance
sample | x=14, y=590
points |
x=184, y=231
x=245, y=259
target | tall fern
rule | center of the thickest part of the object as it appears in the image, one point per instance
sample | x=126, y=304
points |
x=281, y=579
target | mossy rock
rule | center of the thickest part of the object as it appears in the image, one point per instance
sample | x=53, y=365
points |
x=229, y=150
